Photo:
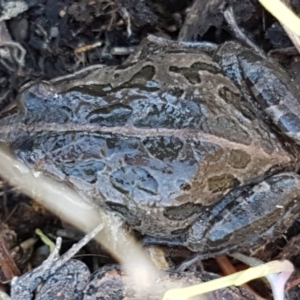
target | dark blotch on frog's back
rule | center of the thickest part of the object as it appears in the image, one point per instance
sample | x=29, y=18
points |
x=192, y=73
x=222, y=183
x=129, y=178
x=141, y=78
x=176, y=92
x=86, y=170
x=111, y=115
x=163, y=147
x=189, y=74
x=238, y=159
x=115, y=144
x=182, y=212
x=132, y=219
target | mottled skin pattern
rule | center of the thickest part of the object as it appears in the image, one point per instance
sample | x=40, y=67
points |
x=164, y=137
x=67, y=283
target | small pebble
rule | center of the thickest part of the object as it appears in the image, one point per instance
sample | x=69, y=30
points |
x=54, y=32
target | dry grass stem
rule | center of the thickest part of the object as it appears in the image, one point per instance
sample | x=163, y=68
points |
x=69, y=206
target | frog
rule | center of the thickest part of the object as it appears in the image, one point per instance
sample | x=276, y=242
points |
x=187, y=147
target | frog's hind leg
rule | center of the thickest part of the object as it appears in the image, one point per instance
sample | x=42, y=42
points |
x=260, y=214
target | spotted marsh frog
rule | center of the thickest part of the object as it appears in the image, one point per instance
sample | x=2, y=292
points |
x=171, y=143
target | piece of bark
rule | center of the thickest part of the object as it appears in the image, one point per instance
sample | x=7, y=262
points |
x=8, y=267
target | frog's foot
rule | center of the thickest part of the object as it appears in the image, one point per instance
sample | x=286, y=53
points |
x=23, y=287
